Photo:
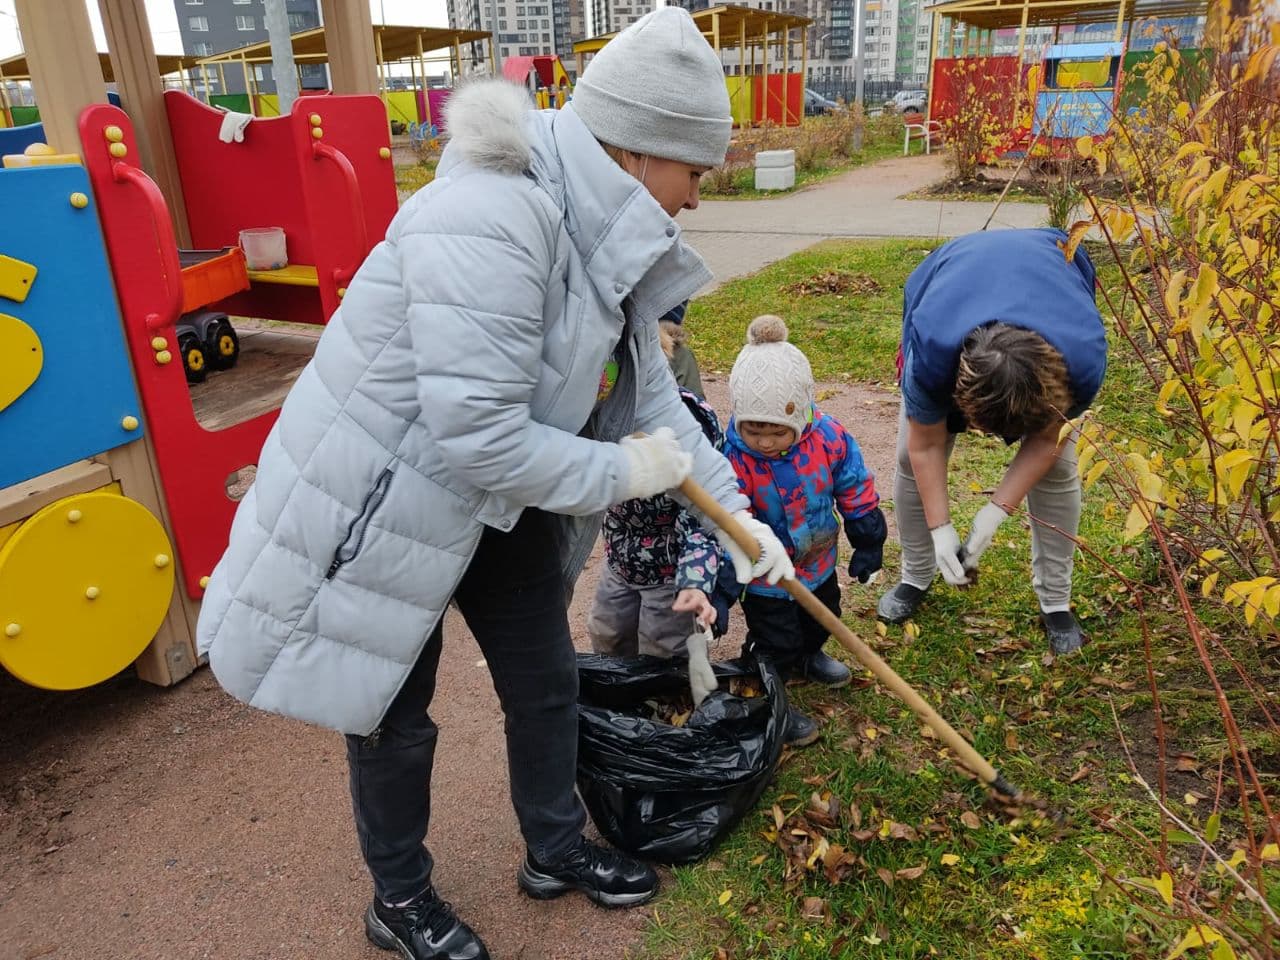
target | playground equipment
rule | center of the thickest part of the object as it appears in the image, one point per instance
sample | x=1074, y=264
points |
x=1078, y=95
x=758, y=93
x=545, y=77
x=114, y=485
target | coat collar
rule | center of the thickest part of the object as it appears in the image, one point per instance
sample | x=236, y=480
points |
x=629, y=246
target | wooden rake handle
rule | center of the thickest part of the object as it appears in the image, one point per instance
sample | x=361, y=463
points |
x=866, y=656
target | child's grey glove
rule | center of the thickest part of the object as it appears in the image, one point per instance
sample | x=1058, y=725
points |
x=655, y=464
x=982, y=533
x=773, y=565
x=946, y=549
x=702, y=679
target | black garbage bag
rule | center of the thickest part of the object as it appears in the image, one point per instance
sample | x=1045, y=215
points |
x=671, y=793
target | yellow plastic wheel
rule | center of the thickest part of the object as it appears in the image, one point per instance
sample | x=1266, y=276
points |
x=82, y=590
x=195, y=359
x=226, y=345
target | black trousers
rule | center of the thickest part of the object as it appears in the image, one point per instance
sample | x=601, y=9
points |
x=512, y=598
x=779, y=629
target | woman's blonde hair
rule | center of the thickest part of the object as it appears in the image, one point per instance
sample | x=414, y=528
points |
x=1011, y=382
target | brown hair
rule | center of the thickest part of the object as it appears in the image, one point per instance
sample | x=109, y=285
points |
x=1011, y=382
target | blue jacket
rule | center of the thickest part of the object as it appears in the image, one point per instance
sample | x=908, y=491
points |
x=1017, y=277
x=799, y=492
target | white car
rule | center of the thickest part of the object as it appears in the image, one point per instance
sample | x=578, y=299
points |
x=907, y=101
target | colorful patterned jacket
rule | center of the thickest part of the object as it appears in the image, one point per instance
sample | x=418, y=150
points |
x=654, y=541
x=799, y=492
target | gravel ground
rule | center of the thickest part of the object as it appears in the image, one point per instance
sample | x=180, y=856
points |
x=146, y=824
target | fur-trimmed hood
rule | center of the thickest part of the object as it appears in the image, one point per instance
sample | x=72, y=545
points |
x=611, y=218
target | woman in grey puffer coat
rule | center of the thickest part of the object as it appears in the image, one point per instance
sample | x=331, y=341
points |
x=465, y=420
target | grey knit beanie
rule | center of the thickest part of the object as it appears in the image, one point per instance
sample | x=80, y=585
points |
x=657, y=88
x=771, y=381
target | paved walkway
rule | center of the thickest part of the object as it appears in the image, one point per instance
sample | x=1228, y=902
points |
x=737, y=237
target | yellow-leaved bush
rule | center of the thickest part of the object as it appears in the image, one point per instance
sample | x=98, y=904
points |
x=1198, y=239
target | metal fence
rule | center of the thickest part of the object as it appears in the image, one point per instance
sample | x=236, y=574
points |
x=874, y=92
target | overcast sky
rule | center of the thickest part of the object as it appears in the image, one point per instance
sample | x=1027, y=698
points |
x=164, y=22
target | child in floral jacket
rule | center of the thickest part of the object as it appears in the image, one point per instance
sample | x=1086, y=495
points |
x=655, y=553
x=800, y=468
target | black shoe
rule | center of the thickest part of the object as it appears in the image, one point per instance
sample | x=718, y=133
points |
x=607, y=877
x=900, y=604
x=801, y=730
x=828, y=671
x=1064, y=633
x=426, y=929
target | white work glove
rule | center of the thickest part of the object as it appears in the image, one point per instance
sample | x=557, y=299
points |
x=946, y=549
x=982, y=532
x=773, y=565
x=702, y=679
x=655, y=464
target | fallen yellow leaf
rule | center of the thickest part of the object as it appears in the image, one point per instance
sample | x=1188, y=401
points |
x=1270, y=852
x=1198, y=936
x=1164, y=886
x=1190, y=799
x=725, y=897
x=950, y=859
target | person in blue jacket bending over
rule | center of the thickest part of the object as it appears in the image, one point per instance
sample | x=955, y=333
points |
x=1000, y=334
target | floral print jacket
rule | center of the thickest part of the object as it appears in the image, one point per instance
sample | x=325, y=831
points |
x=655, y=541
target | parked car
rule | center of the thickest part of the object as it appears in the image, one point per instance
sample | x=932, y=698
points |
x=907, y=101
x=815, y=104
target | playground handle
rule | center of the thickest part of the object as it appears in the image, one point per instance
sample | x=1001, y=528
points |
x=963, y=750
x=339, y=159
x=166, y=242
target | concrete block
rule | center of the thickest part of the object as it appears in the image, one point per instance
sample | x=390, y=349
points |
x=770, y=159
x=775, y=178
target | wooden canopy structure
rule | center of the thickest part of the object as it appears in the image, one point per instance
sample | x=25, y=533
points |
x=167, y=64
x=392, y=45
x=729, y=26
x=982, y=18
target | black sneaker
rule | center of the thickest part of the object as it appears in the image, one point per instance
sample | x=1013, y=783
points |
x=900, y=604
x=426, y=929
x=1064, y=633
x=801, y=730
x=828, y=671
x=607, y=877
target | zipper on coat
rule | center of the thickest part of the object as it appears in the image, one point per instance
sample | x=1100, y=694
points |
x=351, y=545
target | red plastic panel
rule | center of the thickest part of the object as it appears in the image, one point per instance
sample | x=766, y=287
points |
x=997, y=73
x=193, y=462
x=785, y=101
x=326, y=183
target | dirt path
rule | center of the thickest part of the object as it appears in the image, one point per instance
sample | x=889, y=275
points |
x=147, y=824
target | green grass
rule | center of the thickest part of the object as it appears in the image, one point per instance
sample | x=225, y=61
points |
x=1020, y=885
x=414, y=176
x=744, y=180
x=854, y=337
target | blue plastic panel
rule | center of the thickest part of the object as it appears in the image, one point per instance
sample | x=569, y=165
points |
x=1079, y=113
x=78, y=405
x=1083, y=51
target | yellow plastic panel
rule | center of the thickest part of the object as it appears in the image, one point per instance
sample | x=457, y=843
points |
x=294, y=275
x=16, y=277
x=84, y=585
x=21, y=359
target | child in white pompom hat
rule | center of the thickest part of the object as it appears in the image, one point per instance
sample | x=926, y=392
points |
x=799, y=467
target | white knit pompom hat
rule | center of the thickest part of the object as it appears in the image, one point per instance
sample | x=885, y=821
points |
x=771, y=381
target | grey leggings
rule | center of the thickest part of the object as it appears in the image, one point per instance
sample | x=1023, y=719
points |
x=1054, y=501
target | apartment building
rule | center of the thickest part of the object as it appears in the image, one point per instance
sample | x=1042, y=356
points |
x=215, y=26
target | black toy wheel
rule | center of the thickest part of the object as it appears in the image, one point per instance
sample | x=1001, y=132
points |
x=222, y=345
x=194, y=361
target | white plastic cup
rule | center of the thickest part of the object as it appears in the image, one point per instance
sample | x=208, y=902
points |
x=264, y=248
